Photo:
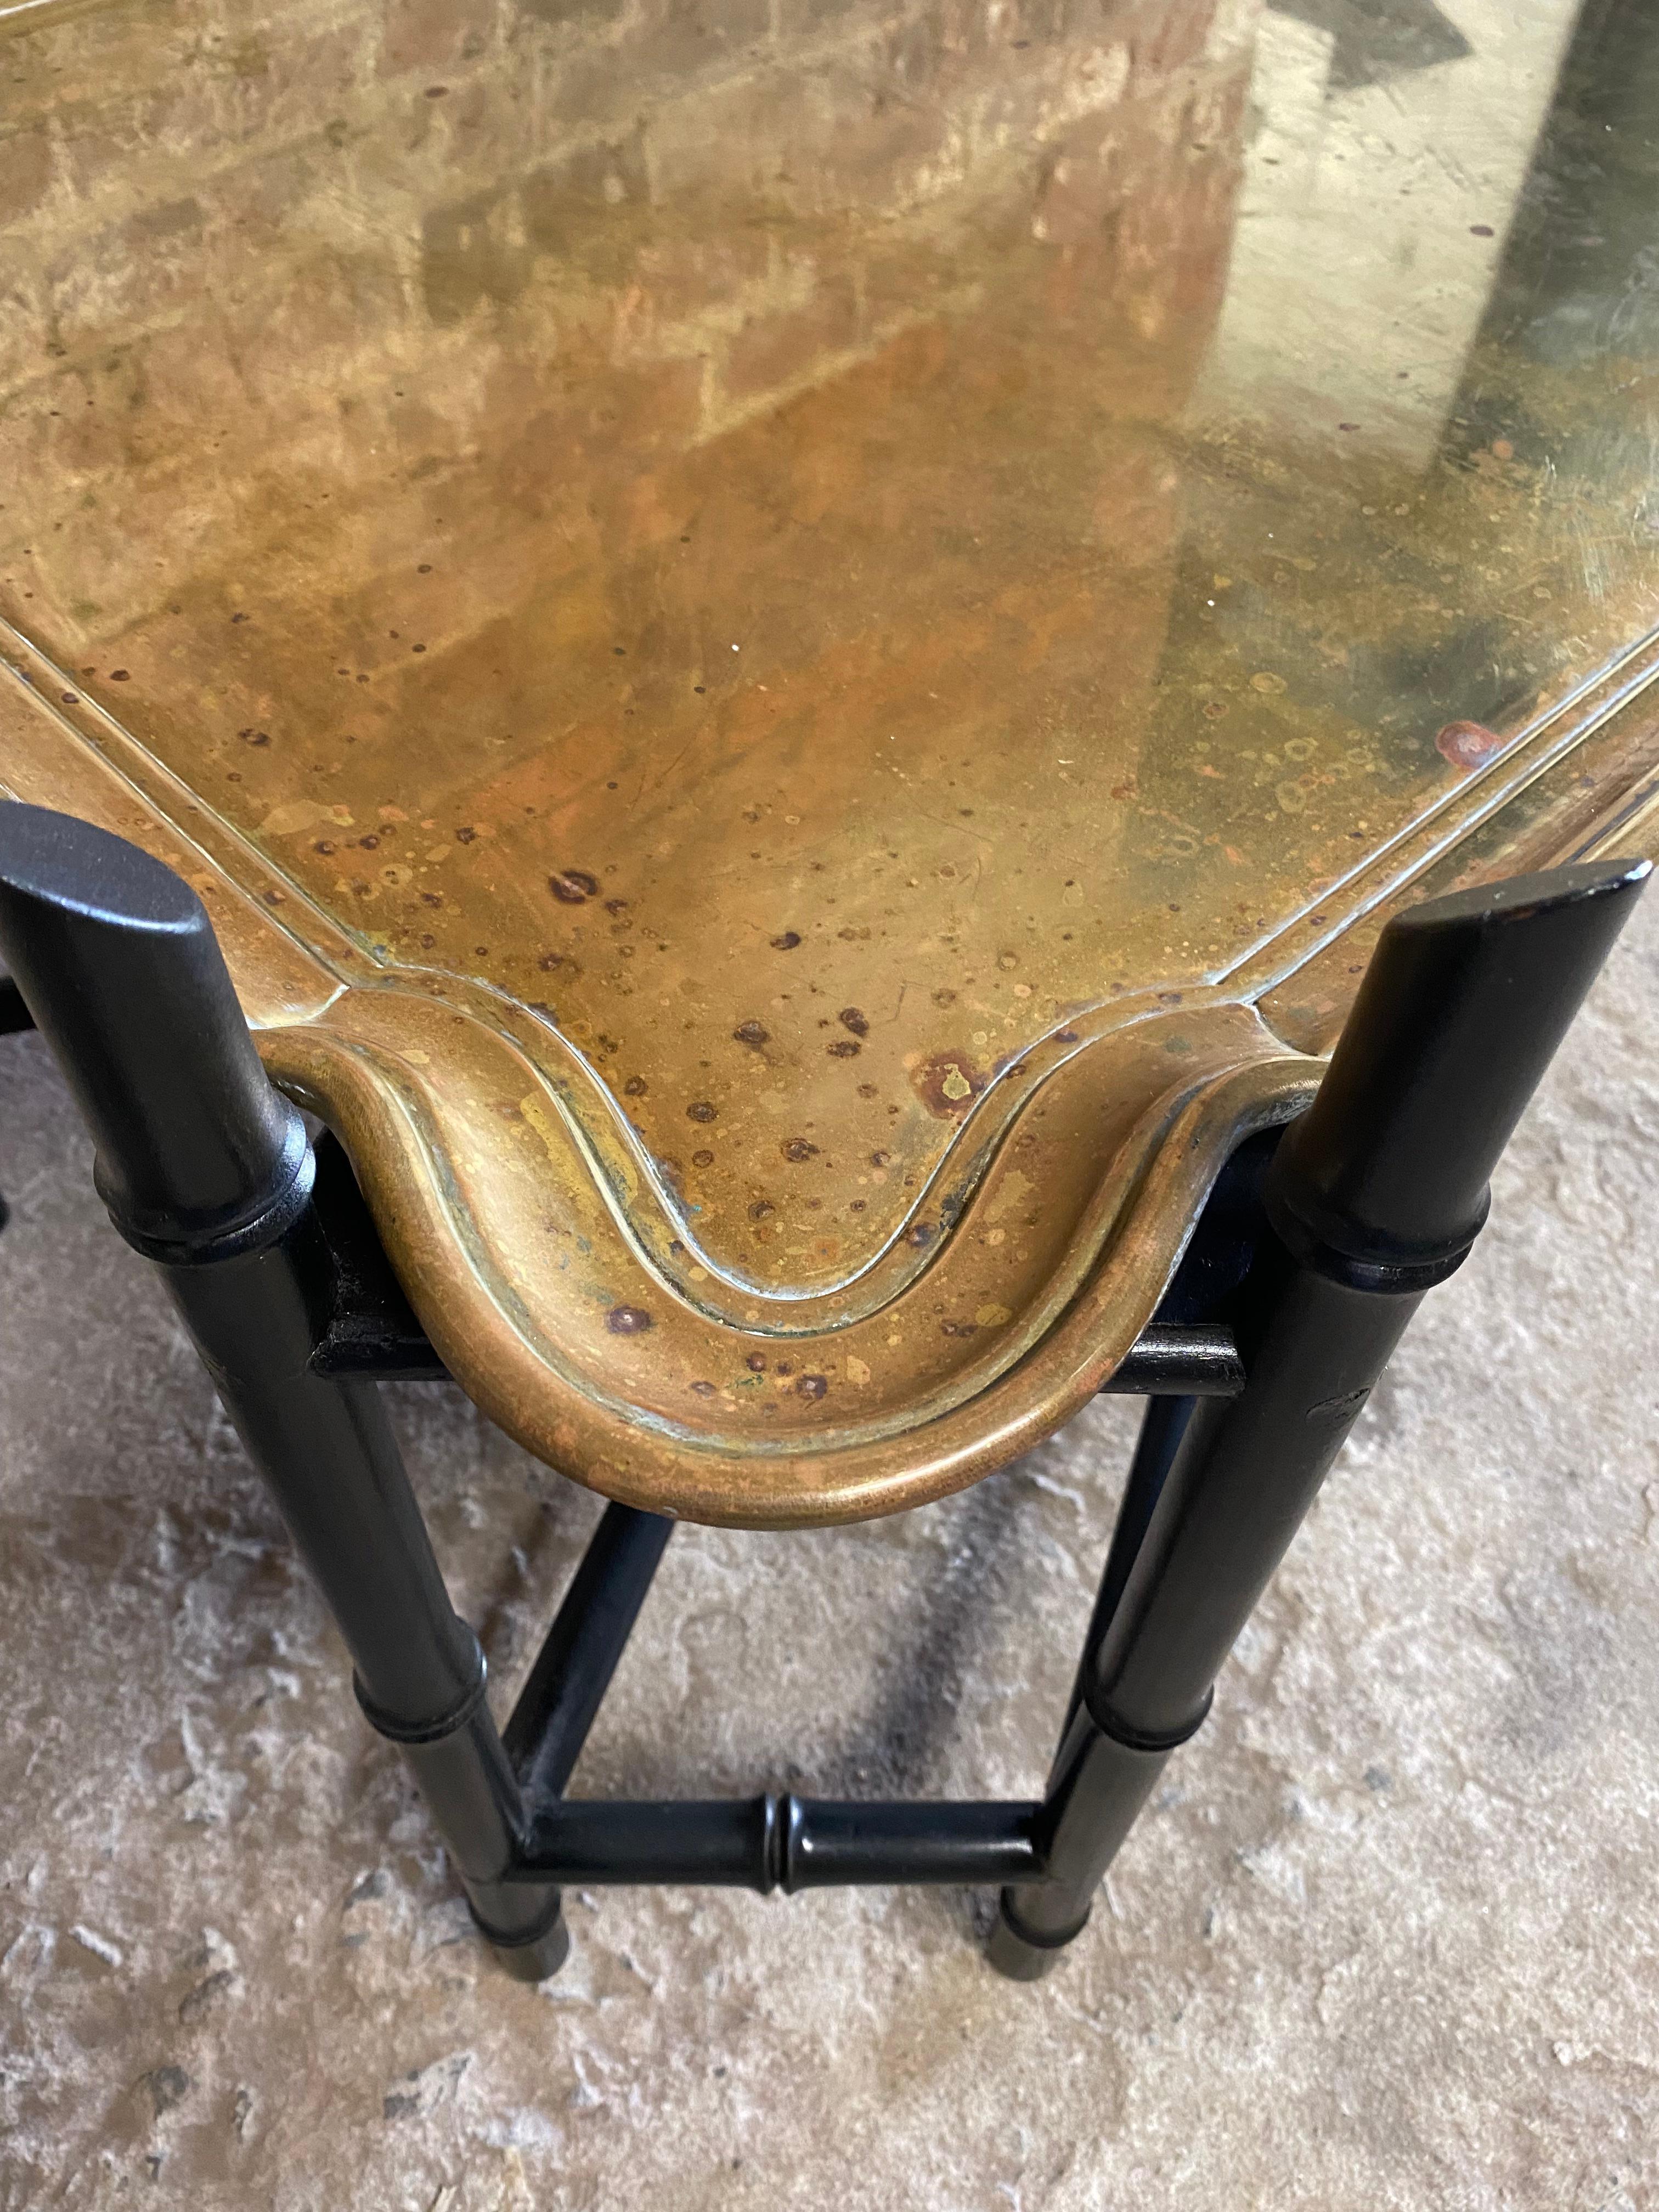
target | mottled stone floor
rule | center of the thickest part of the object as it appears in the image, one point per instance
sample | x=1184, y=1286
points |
x=1389, y=1936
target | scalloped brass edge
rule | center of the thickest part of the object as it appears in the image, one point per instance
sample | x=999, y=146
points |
x=713, y=1478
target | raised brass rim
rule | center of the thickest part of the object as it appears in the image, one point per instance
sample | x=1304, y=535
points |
x=346, y=1046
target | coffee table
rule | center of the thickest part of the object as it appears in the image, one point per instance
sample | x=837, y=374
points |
x=799, y=661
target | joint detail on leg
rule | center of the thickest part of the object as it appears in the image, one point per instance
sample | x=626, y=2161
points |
x=1134, y=1739
x=1317, y=1238
x=262, y=1219
x=426, y=1731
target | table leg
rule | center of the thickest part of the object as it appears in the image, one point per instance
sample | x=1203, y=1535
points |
x=1374, y=1195
x=207, y=1170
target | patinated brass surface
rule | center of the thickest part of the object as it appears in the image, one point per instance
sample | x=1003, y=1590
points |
x=796, y=647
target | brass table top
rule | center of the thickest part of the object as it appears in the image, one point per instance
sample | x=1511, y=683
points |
x=797, y=649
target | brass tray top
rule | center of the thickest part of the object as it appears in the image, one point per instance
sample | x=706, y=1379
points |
x=797, y=649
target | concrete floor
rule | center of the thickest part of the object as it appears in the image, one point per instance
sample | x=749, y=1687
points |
x=1388, y=1937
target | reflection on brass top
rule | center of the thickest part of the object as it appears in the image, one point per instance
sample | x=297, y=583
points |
x=797, y=647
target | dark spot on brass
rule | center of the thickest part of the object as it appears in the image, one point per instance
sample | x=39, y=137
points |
x=761, y=1209
x=118, y=675
x=70, y=698
x=755, y=1363
x=615, y=905
x=236, y=618
x=947, y=1084
x=852, y=1017
x=797, y=1149
x=323, y=846
x=626, y=1321
x=1064, y=1037
x=437, y=92
x=704, y=1389
x=879, y=1159
x=702, y=1159
x=787, y=942
x=1467, y=745
x=750, y=1033
x=700, y=1110
x=845, y=1048
x=425, y=569
x=371, y=843
x=921, y=1232
x=464, y=836
x=944, y=998
x=1480, y=230
x=634, y=1087
x=785, y=1368
x=572, y=886
x=812, y=1386
x=417, y=649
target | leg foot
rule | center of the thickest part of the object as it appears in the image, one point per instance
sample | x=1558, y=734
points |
x=1019, y=1955
x=534, y=1958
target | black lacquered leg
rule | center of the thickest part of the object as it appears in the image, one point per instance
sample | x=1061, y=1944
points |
x=1161, y=1427
x=566, y=1685
x=206, y=1169
x=1375, y=1194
